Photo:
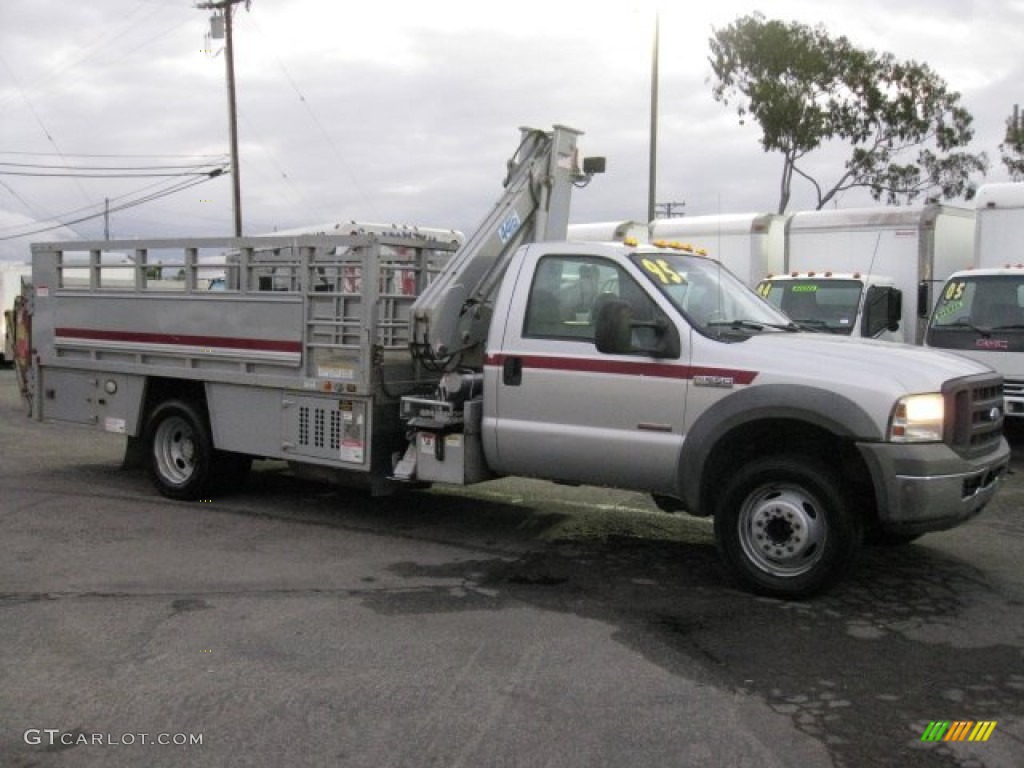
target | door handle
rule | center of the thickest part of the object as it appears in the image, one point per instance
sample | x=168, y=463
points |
x=512, y=371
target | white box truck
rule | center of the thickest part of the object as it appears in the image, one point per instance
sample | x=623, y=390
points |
x=980, y=312
x=870, y=272
x=750, y=245
x=608, y=231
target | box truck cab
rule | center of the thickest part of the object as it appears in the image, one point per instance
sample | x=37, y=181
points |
x=980, y=312
x=980, y=315
x=847, y=304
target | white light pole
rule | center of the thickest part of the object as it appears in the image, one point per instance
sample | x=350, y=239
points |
x=652, y=182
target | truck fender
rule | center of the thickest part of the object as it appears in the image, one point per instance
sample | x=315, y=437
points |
x=813, y=406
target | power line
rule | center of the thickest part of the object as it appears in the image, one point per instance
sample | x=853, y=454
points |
x=147, y=189
x=51, y=167
x=36, y=115
x=313, y=116
x=104, y=44
x=218, y=157
x=181, y=186
x=93, y=175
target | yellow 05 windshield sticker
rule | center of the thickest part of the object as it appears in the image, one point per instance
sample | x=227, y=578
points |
x=954, y=291
x=663, y=272
x=763, y=289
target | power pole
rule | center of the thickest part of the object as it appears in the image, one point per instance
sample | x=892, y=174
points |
x=669, y=210
x=226, y=7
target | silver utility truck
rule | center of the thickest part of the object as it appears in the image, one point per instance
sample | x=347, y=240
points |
x=521, y=353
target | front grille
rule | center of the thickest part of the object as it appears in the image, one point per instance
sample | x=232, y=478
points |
x=1013, y=387
x=975, y=407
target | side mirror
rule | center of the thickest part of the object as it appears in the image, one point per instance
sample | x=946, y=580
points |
x=615, y=331
x=924, y=304
x=894, y=309
x=883, y=311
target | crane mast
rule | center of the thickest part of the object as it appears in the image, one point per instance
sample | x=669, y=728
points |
x=451, y=317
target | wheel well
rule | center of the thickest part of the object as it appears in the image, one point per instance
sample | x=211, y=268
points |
x=791, y=437
x=160, y=390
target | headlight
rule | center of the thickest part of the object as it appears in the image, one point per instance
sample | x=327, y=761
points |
x=918, y=419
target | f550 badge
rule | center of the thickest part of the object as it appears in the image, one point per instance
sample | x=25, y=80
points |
x=722, y=382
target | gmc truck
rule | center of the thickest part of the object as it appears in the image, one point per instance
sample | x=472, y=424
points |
x=641, y=367
x=980, y=312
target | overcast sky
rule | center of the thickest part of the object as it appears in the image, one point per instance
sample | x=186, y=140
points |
x=405, y=112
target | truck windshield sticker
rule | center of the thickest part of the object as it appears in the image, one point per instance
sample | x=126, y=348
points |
x=805, y=288
x=954, y=291
x=950, y=308
x=763, y=289
x=660, y=269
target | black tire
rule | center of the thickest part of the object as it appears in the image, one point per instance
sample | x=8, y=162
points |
x=785, y=527
x=180, y=450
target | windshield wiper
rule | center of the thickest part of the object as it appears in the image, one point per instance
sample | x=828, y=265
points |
x=965, y=324
x=752, y=325
x=814, y=325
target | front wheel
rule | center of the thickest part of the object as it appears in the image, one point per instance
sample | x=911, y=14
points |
x=180, y=450
x=784, y=526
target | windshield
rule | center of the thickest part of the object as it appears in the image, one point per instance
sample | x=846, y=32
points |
x=710, y=296
x=990, y=302
x=828, y=305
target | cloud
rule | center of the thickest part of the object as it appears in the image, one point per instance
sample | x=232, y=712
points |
x=407, y=112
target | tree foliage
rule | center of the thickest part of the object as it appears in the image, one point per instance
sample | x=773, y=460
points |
x=1012, y=148
x=905, y=129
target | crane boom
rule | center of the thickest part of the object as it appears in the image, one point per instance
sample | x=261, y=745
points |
x=452, y=315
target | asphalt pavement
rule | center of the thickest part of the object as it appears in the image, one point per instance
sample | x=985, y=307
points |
x=515, y=623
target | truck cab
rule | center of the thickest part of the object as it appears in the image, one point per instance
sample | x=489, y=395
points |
x=980, y=315
x=850, y=304
x=679, y=381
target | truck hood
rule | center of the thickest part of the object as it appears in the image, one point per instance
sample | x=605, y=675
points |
x=877, y=365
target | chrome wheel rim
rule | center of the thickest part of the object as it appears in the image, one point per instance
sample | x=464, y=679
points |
x=783, y=530
x=174, y=447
